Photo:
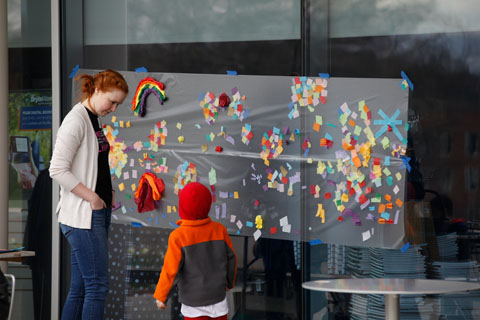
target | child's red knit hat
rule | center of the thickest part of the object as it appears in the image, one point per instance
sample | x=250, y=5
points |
x=194, y=201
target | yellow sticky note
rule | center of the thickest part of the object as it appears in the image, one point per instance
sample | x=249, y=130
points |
x=134, y=187
x=345, y=197
x=309, y=160
x=169, y=209
x=235, y=195
x=121, y=187
x=181, y=139
x=320, y=212
x=204, y=147
x=114, y=119
x=128, y=124
x=174, y=208
x=179, y=126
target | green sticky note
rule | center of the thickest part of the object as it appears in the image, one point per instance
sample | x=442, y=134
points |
x=361, y=104
x=357, y=131
x=319, y=119
x=387, y=172
x=212, y=176
x=385, y=143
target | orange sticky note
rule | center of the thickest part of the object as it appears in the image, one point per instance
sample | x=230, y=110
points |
x=399, y=202
x=381, y=208
x=388, y=197
x=316, y=126
x=357, y=162
x=351, y=123
x=389, y=205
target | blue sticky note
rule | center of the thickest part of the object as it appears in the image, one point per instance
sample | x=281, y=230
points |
x=385, y=215
x=115, y=132
x=232, y=72
x=164, y=215
x=387, y=160
x=156, y=220
x=141, y=69
x=149, y=219
x=248, y=127
x=246, y=112
x=200, y=96
x=249, y=224
x=405, y=247
x=328, y=136
x=276, y=130
x=371, y=208
x=324, y=75
x=290, y=105
x=136, y=224
x=290, y=115
x=315, y=242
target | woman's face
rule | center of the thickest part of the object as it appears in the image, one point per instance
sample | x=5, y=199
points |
x=104, y=102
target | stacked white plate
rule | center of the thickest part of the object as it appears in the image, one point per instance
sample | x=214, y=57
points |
x=385, y=263
x=447, y=247
x=462, y=305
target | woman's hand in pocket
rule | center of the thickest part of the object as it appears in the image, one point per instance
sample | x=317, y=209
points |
x=97, y=203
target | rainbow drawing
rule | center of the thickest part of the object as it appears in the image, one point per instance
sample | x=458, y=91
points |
x=145, y=87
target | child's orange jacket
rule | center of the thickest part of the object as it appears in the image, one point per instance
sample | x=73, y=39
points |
x=201, y=261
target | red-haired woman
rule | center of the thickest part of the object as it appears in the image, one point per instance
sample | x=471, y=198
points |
x=80, y=165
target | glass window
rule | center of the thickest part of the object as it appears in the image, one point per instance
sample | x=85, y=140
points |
x=29, y=130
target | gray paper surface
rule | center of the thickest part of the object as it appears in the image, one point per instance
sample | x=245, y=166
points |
x=239, y=167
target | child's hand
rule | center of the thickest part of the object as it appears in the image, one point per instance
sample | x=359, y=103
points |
x=161, y=305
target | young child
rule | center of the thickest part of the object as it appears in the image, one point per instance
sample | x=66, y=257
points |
x=200, y=259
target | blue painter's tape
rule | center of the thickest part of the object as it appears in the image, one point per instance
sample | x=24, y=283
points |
x=405, y=247
x=404, y=76
x=136, y=224
x=74, y=71
x=141, y=69
x=324, y=75
x=315, y=242
x=232, y=73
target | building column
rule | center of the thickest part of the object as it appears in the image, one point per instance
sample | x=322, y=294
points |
x=3, y=129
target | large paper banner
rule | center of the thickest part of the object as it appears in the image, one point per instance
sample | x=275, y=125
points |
x=299, y=158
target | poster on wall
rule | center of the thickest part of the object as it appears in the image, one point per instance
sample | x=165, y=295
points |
x=29, y=130
x=298, y=158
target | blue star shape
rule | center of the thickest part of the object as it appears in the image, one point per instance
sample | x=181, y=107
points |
x=405, y=163
x=392, y=122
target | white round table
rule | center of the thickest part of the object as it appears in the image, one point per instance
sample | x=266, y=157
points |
x=391, y=289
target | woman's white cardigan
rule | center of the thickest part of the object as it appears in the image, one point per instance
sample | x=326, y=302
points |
x=75, y=160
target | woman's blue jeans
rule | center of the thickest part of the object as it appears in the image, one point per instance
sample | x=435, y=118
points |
x=89, y=283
